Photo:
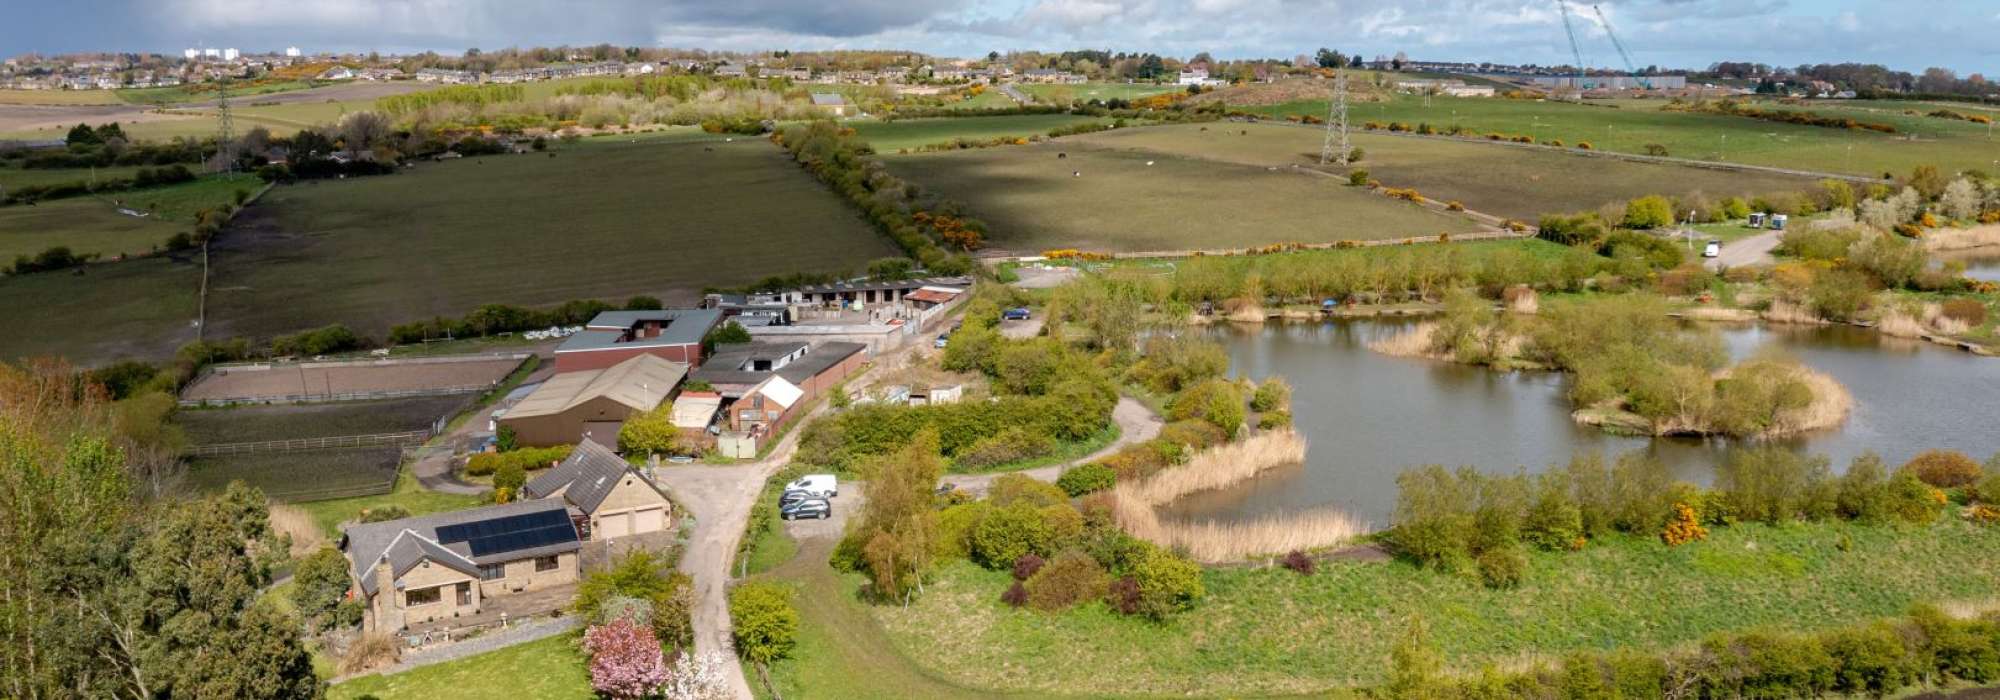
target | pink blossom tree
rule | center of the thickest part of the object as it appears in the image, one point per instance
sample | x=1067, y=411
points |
x=625, y=659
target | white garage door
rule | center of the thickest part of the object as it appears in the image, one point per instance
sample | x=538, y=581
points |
x=649, y=520
x=617, y=524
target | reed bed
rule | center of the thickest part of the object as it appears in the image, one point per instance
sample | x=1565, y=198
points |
x=1213, y=542
x=1414, y=342
x=1782, y=311
x=1962, y=239
x=1830, y=405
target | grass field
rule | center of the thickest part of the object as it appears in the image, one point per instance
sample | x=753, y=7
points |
x=990, y=99
x=1948, y=144
x=93, y=224
x=1034, y=200
x=1492, y=178
x=603, y=218
x=23, y=177
x=891, y=136
x=150, y=302
x=198, y=93
x=1272, y=631
x=58, y=97
x=554, y=667
x=1094, y=91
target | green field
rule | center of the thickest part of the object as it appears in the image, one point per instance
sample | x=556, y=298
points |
x=304, y=475
x=608, y=218
x=1492, y=178
x=407, y=494
x=12, y=177
x=94, y=224
x=891, y=136
x=136, y=309
x=1034, y=200
x=1632, y=124
x=1093, y=91
x=296, y=421
x=182, y=93
x=1271, y=631
x=545, y=668
x=990, y=99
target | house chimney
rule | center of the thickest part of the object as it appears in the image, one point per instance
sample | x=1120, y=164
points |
x=389, y=615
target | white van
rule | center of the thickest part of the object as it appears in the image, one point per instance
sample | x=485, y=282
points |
x=820, y=485
x=1714, y=250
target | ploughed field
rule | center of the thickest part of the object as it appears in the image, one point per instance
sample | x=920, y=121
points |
x=1496, y=179
x=308, y=474
x=609, y=217
x=1080, y=192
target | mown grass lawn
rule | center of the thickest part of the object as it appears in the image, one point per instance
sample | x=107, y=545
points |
x=1273, y=631
x=545, y=668
x=1631, y=125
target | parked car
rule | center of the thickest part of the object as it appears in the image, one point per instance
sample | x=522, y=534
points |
x=1714, y=250
x=821, y=485
x=792, y=496
x=942, y=340
x=809, y=508
x=1015, y=314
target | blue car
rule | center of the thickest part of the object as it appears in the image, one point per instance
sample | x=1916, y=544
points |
x=1015, y=314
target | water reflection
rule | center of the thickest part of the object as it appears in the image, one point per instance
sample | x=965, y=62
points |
x=1368, y=416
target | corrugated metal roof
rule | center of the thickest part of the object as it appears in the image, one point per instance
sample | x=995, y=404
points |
x=695, y=410
x=777, y=389
x=640, y=383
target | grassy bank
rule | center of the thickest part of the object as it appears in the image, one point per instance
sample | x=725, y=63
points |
x=544, y=668
x=1274, y=631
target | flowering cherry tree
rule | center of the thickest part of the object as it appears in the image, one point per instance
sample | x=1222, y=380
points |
x=625, y=660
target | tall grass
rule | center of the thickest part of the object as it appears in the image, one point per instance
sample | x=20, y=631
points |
x=1413, y=342
x=1215, y=542
x=1830, y=405
x=298, y=523
x=1962, y=239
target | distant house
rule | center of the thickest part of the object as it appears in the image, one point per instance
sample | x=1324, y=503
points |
x=731, y=70
x=871, y=291
x=765, y=406
x=450, y=565
x=794, y=74
x=610, y=498
x=592, y=404
x=447, y=77
x=932, y=295
x=1060, y=77
x=615, y=336
x=337, y=73
x=831, y=102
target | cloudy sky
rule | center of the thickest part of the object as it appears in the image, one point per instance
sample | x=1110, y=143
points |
x=1904, y=34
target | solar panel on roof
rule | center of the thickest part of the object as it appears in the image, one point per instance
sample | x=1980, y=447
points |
x=511, y=533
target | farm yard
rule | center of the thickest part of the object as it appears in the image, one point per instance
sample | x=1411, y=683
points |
x=892, y=136
x=1496, y=179
x=273, y=382
x=441, y=239
x=1100, y=198
x=1628, y=126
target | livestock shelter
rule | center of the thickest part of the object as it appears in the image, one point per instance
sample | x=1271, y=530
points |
x=593, y=404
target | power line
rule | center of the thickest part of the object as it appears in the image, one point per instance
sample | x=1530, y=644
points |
x=1336, y=119
x=225, y=136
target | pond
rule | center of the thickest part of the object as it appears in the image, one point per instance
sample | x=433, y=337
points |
x=1368, y=416
x=1979, y=265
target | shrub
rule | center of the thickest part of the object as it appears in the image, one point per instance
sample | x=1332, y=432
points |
x=1863, y=491
x=1971, y=312
x=1015, y=596
x=510, y=477
x=1503, y=567
x=1122, y=595
x=1944, y=469
x=1008, y=533
x=1216, y=401
x=1021, y=488
x=1774, y=485
x=1654, y=149
x=1553, y=522
x=1649, y=212
x=1072, y=578
x=1167, y=583
x=1735, y=208
x=1685, y=528
x=1298, y=562
x=1087, y=478
x=1988, y=489
x=1357, y=177
x=384, y=513
x=528, y=459
x=1010, y=445
x=1912, y=501
x=1571, y=229
x=1274, y=420
x=764, y=623
x=1271, y=394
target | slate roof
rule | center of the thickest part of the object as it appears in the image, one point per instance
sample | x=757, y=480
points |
x=640, y=382
x=721, y=370
x=878, y=285
x=407, y=541
x=828, y=99
x=608, y=329
x=590, y=472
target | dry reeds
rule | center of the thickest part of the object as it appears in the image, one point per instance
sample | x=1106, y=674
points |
x=1413, y=342
x=1522, y=300
x=1782, y=311
x=1962, y=239
x=1716, y=313
x=1214, y=542
x=369, y=652
x=1830, y=405
x=1897, y=324
x=297, y=523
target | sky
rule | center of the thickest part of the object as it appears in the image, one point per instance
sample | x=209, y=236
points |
x=1906, y=34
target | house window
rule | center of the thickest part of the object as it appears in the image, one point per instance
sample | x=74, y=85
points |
x=420, y=596
x=489, y=572
x=545, y=564
x=464, y=593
